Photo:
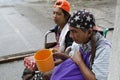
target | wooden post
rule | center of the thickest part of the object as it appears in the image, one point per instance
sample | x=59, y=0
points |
x=114, y=66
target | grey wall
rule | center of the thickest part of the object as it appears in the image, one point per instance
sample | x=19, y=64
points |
x=115, y=57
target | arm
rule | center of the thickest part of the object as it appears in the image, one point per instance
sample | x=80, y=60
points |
x=87, y=73
x=58, y=61
x=101, y=61
x=61, y=56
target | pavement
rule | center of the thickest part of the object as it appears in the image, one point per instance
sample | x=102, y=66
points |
x=22, y=26
x=24, y=23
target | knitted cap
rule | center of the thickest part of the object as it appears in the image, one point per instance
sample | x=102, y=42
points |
x=63, y=4
x=82, y=19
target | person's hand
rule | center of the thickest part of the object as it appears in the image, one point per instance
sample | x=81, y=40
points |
x=61, y=56
x=29, y=63
x=67, y=51
x=77, y=58
x=54, y=50
x=47, y=75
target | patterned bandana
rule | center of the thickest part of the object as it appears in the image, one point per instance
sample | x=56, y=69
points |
x=82, y=19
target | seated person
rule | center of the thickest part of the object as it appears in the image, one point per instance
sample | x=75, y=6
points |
x=90, y=51
x=61, y=16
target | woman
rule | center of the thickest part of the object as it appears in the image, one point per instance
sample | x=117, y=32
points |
x=90, y=53
x=61, y=16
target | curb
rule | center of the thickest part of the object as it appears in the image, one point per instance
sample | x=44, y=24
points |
x=17, y=56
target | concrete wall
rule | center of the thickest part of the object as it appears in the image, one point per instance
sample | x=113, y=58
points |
x=115, y=57
x=39, y=0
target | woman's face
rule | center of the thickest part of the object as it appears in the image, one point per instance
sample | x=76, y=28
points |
x=58, y=16
x=79, y=36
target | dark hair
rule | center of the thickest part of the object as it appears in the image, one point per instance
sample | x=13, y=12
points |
x=67, y=15
x=58, y=3
x=93, y=48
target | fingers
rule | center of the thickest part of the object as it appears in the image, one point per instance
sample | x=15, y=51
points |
x=54, y=50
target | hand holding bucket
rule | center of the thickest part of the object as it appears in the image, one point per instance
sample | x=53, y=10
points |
x=44, y=60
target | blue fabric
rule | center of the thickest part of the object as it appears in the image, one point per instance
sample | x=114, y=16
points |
x=68, y=70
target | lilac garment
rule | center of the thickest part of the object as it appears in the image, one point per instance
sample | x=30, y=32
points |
x=68, y=70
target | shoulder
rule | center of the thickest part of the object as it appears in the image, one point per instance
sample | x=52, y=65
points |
x=103, y=49
x=101, y=41
x=55, y=29
x=101, y=60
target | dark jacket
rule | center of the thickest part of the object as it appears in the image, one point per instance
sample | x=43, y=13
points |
x=68, y=40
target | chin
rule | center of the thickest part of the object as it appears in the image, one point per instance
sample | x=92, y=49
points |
x=77, y=42
x=55, y=22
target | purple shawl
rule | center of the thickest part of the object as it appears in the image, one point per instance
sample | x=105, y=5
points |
x=68, y=70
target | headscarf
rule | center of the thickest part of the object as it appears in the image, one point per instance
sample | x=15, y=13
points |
x=82, y=19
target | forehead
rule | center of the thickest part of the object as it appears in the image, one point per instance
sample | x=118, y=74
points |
x=57, y=9
x=73, y=28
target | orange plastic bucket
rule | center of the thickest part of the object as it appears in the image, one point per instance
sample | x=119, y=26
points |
x=44, y=60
